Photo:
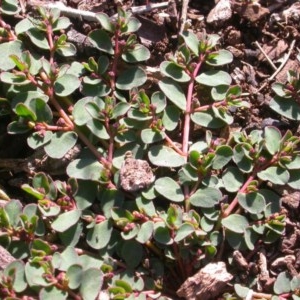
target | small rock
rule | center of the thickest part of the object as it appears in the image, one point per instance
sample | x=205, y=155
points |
x=135, y=174
x=220, y=13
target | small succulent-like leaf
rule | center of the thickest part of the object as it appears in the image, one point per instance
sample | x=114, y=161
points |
x=276, y=175
x=272, y=139
x=183, y=231
x=206, y=197
x=136, y=54
x=158, y=99
x=85, y=168
x=132, y=252
x=294, y=181
x=105, y=21
x=66, y=85
x=17, y=268
x=241, y=291
x=169, y=188
x=173, y=92
x=16, y=79
x=9, y=7
x=282, y=283
x=61, y=23
x=253, y=203
x=223, y=155
x=219, y=58
x=66, y=50
x=191, y=41
x=150, y=136
x=74, y=275
x=101, y=40
x=7, y=49
x=207, y=119
x=60, y=144
x=98, y=129
x=214, y=78
x=235, y=223
x=91, y=283
x=99, y=236
x=171, y=117
x=38, y=38
x=164, y=156
x=280, y=90
x=65, y=220
x=174, y=71
x=52, y=292
x=37, y=140
x=131, y=78
x=35, y=275
x=162, y=234
x=288, y=108
x=145, y=232
x=132, y=25
x=232, y=179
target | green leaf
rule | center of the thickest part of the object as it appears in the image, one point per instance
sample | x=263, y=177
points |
x=169, y=188
x=74, y=275
x=17, y=268
x=145, y=232
x=174, y=71
x=16, y=79
x=132, y=252
x=38, y=38
x=158, y=100
x=61, y=23
x=66, y=50
x=131, y=78
x=173, y=92
x=150, y=136
x=254, y=203
x=80, y=113
x=191, y=41
x=105, y=22
x=101, y=40
x=294, y=181
x=99, y=236
x=60, y=144
x=52, y=292
x=233, y=179
x=207, y=119
x=91, y=283
x=98, y=129
x=85, y=168
x=171, y=117
x=35, y=275
x=276, y=175
x=272, y=139
x=132, y=25
x=206, y=197
x=136, y=54
x=23, y=111
x=214, y=78
x=282, y=283
x=219, y=58
x=37, y=140
x=241, y=291
x=9, y=7
x=7, y=49
x=65, y=220
x=236, y=223
x=162, y=234
x=184, y=231
x=288, y=108
x=164, y=156
x=223, y=155
x=66, y=85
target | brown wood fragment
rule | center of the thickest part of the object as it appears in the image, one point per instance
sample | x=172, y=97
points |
x=208, y=283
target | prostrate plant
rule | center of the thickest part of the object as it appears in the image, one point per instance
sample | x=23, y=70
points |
x=87, y=235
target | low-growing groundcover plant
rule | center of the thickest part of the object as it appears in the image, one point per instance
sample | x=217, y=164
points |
x=156, y=192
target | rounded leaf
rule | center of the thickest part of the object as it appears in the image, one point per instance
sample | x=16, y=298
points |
x=276, y=175
x=207, y=119
x=85, y=168
x=163, y=156
x=214, y=78
x=132, y=253
x=52, y=292
x=150, y=136
x=235, y=223
x=101, y=40
x=282, y=283
x=91, y=283
x=174, y=71
x=206, y=197
x=99, y=236
x=60, y=144
x=223, y=155
x=17, y=268
x=288, y=108
x=183, y=231
x=219, y=58
x=65, y=220
x=169, y=188
x=233, y=179
x=131, y=78
x=191, y=41
x=272, y=139
x=7, y=49
x=254, y=203
x=145, y=232
x=173, y=92
x=66, y=85
x=137, y=54
x=74, y=275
